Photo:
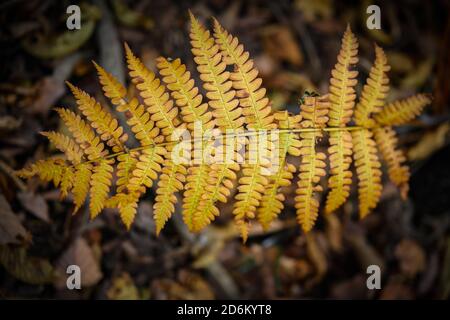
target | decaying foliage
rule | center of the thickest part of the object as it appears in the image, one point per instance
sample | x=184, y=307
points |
x=234, y=101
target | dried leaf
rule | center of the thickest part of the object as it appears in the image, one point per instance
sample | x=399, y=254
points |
x=11, y=229
x=276, y=37
x=429, y=143
x=123, y=288
x=34, y=203
x=80, y=254
x=8, y=123
x=317, y=256
x=411, y=257
x=31, y=270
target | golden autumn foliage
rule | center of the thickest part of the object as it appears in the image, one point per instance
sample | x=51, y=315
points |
x=97, y=158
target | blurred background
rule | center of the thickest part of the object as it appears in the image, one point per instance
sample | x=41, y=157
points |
x=294, y=45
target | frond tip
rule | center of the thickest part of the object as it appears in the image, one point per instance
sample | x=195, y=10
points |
x=402, y=111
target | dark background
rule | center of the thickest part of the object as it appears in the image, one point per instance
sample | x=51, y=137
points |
x=294, y=45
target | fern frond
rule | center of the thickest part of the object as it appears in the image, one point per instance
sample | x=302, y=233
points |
x=185, y=94
x=258, y=116
x=126, y=164
x=138, y=118
x=67, y=181
x=252, y=97
x=312, y=167
x=402, y=111
x=368, y=170
x=196, y=181
x=216, y=80
x=100, y=185
x=340, y=152
x=288, y=143
x=342, y=100
x=146, y=169
x=398, y=172
x=343, y=81
x=66, y=145
x=111, y=87
x=236, y=101
x=101, y=120
x=171, y=181
x=226, y=111
x=374, y=91
x=83, y=134
x=83, y=174
x=193, y=112
x=157, y=100
x=47, y=170
x=272, y=199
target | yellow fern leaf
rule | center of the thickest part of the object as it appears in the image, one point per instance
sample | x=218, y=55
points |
x=314, y=113
x=102, y=121
x=211, y=68
x=126, y=165
x=100, y=184
x=226, y=111
x=65, y=144
x=272, y=199
x=342, y=100
x=147, y=168
x=185, y=94
x=368, y=170
x=170, y=182
x=138, y=118
x=83, y=173
x=47, y=170
x=196, y=180
x=402, y=111
x=236, y=99
x=112, y=88
x=218, y=185
x=67, y=181
x=343, y=81
x=193, y=112
x=258, y=116
x=398, y=173
x=252, y=96
x=374, y=91
x=340, y=152
x=288, y=143
x=83, y=134
x=157, y=100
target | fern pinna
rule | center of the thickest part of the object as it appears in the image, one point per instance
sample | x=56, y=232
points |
x=232, y=109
